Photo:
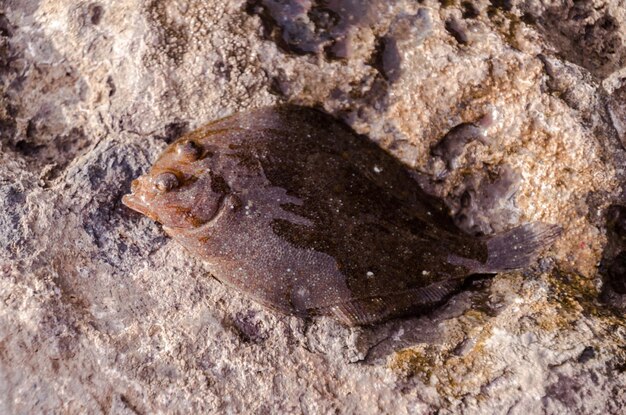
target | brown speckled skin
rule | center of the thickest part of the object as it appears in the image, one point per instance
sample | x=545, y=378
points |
x=306, y=217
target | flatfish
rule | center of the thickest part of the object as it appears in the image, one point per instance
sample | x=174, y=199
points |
x=306, y=217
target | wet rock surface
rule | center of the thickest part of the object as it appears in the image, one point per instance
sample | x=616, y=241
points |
x=101, y=312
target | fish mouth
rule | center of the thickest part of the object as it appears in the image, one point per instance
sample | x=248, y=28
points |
x=138, y=204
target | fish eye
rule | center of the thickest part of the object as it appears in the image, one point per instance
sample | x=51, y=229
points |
x=166, y=182
x=188, y=150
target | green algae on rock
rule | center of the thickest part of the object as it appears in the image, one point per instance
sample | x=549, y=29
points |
x=296, y=210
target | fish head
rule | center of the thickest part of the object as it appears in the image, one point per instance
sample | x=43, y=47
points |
x=180, y=191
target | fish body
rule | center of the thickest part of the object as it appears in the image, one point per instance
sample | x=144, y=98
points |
x=296, y=210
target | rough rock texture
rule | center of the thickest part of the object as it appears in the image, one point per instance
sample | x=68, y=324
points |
x=100, y=312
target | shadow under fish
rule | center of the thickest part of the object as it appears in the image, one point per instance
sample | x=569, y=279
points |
x=296, y=210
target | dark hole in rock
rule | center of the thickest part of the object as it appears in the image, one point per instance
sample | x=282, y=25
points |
x=173, y=131
x=223, y=70
x=587, y=354
x=470, y=11
x=466, y=199
x=505, y=5
x=130, y=405
x=279, y=84
x=5, y=26
x=616, y=223
x=457, y=31
x=31, y=129
x=96, y=11
x=324, y=20
x=613, y=265
x=249, y=328
x=529, y=19
x=617, y=273
x=27, y=148
x=111, y=85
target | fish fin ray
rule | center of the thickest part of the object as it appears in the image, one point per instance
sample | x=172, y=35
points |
x=519, y=247
x=369, y=310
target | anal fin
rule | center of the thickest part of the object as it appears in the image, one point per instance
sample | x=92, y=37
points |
x=369, y=310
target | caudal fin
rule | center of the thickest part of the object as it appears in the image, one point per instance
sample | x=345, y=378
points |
x=519, y=247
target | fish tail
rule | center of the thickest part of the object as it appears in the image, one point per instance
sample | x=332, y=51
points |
x=519, y=247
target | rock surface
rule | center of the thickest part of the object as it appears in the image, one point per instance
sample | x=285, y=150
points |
x=100, y=312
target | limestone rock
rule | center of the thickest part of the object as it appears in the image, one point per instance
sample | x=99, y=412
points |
x=101, y=312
